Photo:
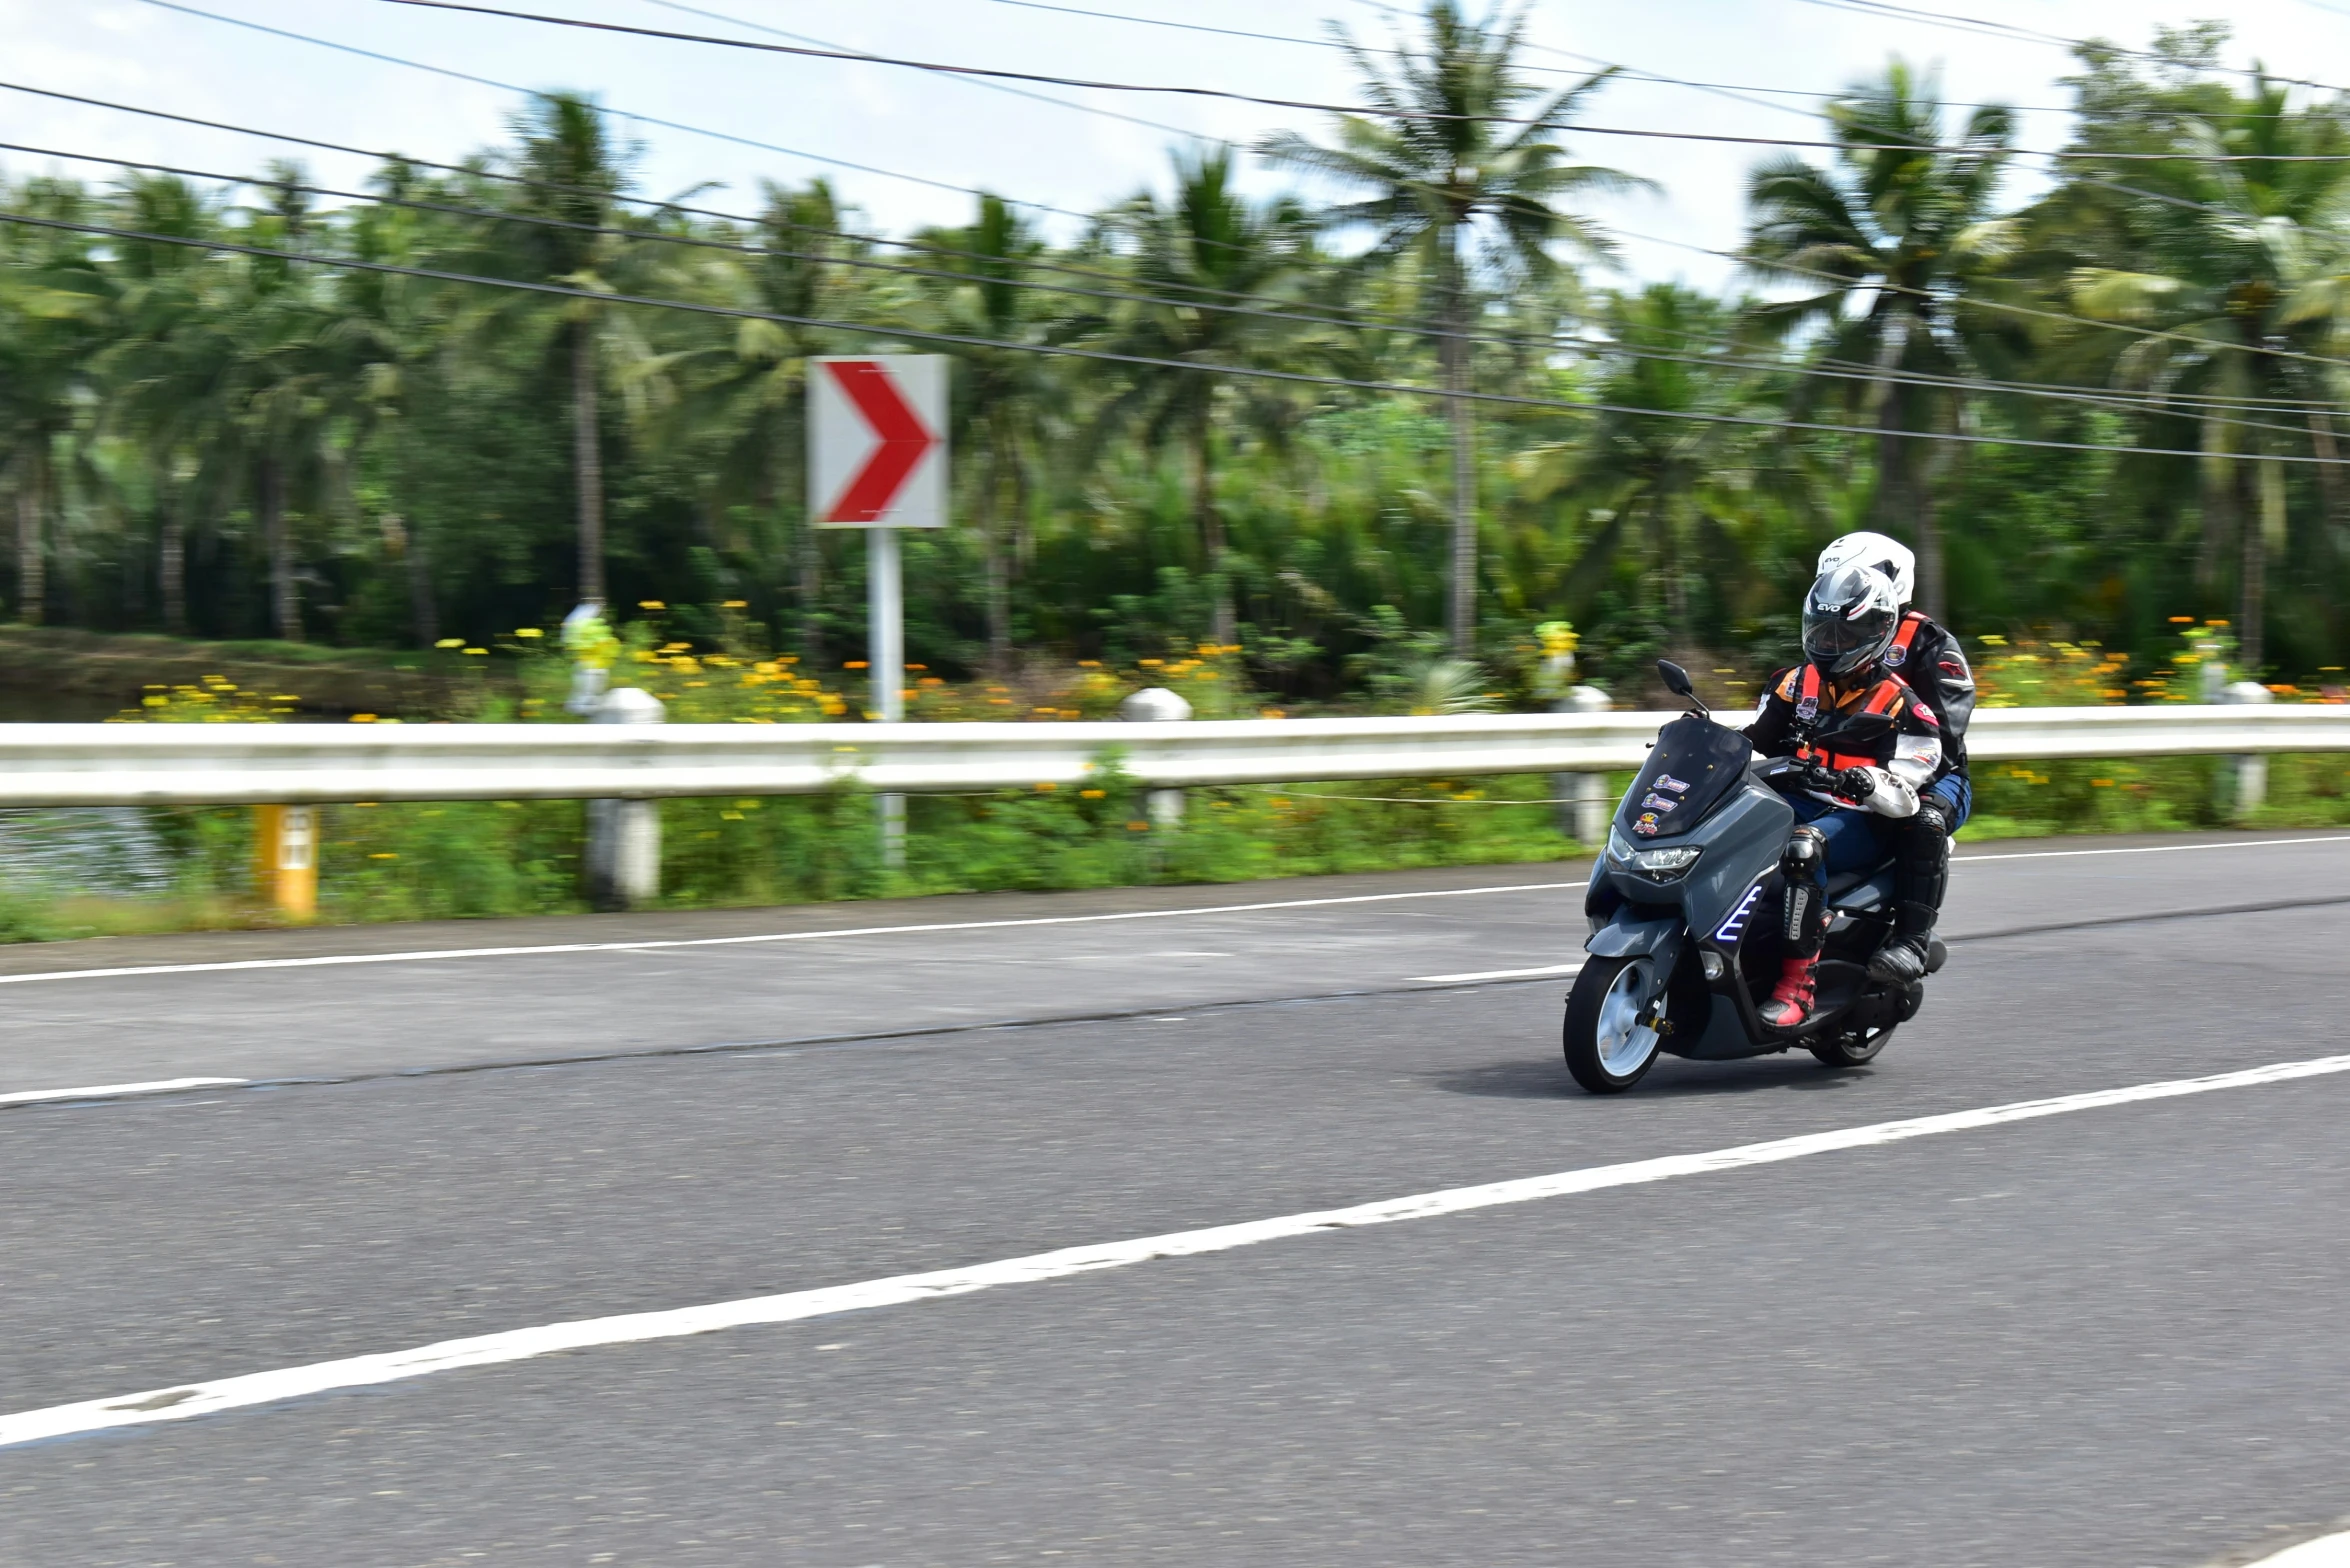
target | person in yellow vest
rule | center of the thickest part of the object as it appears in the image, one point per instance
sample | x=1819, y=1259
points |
x=1868, y=786
x=1927, y=656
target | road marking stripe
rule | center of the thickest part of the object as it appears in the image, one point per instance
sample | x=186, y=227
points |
x=2327, y=1551
x=2155, y=849
x=334, y=959
x=1502, y=974
x=113, y=1091
x=262, y=1388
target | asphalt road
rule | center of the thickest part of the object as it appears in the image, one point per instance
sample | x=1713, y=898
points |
x=2111, y=1337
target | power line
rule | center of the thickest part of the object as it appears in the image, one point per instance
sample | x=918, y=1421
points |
x=1358, y=110
x=1105, y=356
x=618, y=114
x=1001, y=87
x=1997, y=29
x=2112, y=398
x=2109, y=398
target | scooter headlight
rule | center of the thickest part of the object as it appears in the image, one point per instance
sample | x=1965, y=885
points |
x=1664, y=865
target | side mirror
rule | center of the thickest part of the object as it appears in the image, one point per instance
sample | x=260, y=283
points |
x=1677, y=682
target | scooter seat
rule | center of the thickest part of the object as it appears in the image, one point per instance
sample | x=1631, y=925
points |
x=1855, y=881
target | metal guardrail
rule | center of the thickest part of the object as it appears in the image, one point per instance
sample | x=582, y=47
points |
x=241, y=764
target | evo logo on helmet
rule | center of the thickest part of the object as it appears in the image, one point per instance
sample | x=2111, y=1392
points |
x=1735, y=927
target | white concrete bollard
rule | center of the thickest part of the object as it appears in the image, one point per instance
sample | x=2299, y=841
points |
x=1158, y=705
x=2251, y=770
x=1586, y=807
x=624, y=836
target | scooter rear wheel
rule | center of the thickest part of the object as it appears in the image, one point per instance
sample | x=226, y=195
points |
x=1609, y=1048
x=1853, y=1047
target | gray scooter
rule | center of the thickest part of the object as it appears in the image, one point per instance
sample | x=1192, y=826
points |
x=1686, y=910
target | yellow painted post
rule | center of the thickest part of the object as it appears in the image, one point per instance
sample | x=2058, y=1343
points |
x=286, y=864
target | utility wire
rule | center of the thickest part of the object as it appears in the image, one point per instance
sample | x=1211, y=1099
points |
x=1579, y=127
x=1001, y=87
x=618, y=114
x=2120, y=400
x=1104, y=356
x=1997, y=29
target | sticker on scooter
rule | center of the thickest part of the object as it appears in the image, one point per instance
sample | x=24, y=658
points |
x=1660, y=803
x=1667, y=781
x=1735, y=927
x=1647, y=826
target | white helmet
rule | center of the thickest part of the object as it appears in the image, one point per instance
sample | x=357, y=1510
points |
x=1889, y=556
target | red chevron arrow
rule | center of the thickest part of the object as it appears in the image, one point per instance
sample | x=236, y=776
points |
x=905, y=440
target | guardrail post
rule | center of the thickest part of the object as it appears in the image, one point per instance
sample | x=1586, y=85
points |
x=1585, y=807
x=286, y=858
x=1158, y=705
x=624, y=836
x=2251, y=770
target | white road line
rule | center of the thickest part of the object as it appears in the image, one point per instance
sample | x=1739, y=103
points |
x=113, y=1091
x=2327, y=1551
x=188, y=1400
x=335, y=959
x=2153, y=849
x=1502, y=974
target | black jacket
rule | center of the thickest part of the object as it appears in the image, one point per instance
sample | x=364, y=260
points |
x=1928, y=658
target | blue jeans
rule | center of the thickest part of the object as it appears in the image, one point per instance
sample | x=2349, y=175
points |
x=1857, y=840
x=1958, y=794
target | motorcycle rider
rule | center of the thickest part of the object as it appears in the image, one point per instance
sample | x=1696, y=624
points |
x=1847, y=814
x=1928, y=658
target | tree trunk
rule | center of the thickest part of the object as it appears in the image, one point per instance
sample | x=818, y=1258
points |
x=172, y=568
x=1224, y=627
x=811, y=592
x=587, y=461
x=999, y=575
x=424, y=610
x=1461, y=606
x=2262, y=514
x=1933, y=591
x=284, y=595
x=32, y=564
x=2330, y=488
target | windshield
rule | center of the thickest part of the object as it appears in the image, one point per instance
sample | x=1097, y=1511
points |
x=1695, y=764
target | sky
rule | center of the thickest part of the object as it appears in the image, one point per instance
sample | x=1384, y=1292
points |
x=940, y=138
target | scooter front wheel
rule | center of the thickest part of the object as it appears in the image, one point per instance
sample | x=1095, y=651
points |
x=1611, y=1035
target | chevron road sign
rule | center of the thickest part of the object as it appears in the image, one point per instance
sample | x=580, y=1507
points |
x=877, y=453
x=877, y=460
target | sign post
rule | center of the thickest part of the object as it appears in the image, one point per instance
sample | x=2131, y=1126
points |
x=877, y=460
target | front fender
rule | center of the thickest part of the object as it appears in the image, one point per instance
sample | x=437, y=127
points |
x=1661, y=939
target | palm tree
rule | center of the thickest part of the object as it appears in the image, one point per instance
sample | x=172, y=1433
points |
x=1655, y=484
x=2245, y=269
x=562, y=232
x=167, y=369
x=1204, y=248
x=1458, y=167
x=1005, y=392
x=55, y=313
x=751, y=385
x=1886, y=247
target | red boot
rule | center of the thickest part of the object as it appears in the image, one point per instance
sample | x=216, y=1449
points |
x=1791, y=1000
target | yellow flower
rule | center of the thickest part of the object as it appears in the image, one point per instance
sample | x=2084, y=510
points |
x=450, y=642
x=528, y=631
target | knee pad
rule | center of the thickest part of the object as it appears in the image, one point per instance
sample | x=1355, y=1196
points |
x=1933, y=816
x=1807, y=911
x=1806, y=852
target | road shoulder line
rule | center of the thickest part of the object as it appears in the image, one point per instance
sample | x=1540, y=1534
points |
x=187, y=1401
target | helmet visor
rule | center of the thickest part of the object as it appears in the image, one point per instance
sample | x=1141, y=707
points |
x=1837, y=641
